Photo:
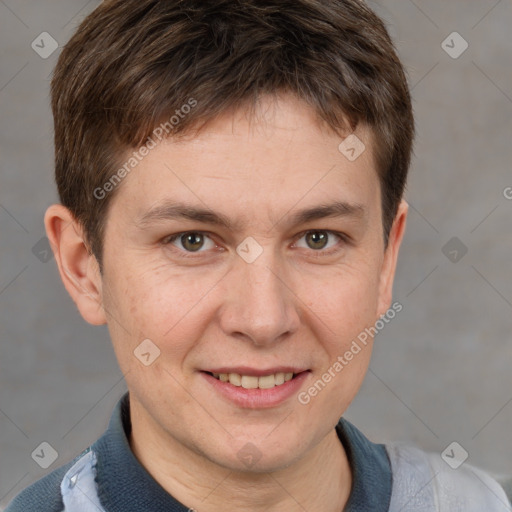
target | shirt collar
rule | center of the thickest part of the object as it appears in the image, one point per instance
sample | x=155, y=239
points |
x=124, y=485
x=371, y=470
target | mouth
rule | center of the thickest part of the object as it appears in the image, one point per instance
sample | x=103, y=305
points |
x=267, y=381
x=250, y=388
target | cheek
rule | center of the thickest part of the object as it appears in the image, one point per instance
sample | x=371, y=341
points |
x=166, y=307
x=345, y=308
x=345, y=302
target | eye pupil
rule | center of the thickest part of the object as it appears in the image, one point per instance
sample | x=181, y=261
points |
x=319, y=239
x=194, y=239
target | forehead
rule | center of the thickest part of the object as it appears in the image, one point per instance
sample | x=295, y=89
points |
x=278, y=158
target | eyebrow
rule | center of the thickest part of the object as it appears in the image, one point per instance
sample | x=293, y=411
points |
x=170, y=210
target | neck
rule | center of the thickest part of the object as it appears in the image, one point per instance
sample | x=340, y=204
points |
x=321, y=480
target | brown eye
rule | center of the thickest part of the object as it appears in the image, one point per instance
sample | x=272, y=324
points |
x=322, y=242
x=317, y=239
x=192, y=241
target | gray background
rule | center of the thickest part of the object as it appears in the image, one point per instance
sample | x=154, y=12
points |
x=440, y=370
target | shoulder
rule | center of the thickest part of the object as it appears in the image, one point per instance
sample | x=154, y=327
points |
x=45, y=494
x=70, y=487
x=74, y=486
x=424, y=481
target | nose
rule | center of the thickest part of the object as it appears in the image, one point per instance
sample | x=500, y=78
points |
x=259, y=304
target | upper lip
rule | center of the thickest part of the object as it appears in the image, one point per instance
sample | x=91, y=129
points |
x=256, y=372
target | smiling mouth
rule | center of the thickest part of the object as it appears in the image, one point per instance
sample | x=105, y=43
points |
x=254, y=382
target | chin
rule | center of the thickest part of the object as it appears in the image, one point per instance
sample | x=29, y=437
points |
x=245, y=455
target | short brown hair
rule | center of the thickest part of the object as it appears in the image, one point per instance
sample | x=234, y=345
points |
x=133, y=63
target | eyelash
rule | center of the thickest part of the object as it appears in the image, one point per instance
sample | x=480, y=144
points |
x=328, y=252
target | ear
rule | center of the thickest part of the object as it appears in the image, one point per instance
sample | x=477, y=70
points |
x=78, y=267
x=387, y=274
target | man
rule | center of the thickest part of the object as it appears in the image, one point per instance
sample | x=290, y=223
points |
x=231, y=177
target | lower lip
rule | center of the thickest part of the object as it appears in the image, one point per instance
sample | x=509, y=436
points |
x=257, y=398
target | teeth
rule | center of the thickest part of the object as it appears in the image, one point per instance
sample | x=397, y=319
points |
x=249, y=382
x=266, y=382
x=252, y=382
x=279, y=379
x=235, y=379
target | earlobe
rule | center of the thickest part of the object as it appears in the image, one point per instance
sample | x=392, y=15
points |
x=387, y=275
x=78, y=267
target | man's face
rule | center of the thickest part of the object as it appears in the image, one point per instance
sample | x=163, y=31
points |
x=268, y=293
